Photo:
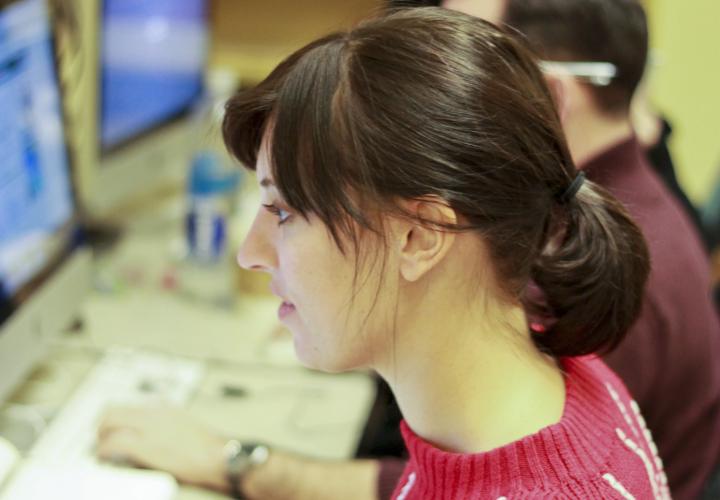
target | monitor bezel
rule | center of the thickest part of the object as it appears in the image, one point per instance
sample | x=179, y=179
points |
x=109, y=193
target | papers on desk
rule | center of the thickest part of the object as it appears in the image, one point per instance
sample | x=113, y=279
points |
x=36, y=480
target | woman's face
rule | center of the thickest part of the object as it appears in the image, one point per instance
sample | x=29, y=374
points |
x=327, y=314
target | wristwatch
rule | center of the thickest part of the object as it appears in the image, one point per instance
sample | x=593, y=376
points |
x=241, y=458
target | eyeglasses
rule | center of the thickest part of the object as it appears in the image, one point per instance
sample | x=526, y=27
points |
x=595, y=73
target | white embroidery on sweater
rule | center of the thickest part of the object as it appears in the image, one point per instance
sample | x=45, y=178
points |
x=408, y=486
x=615, y=484
x=623, y=410
x=660, y=471
x=632, y=446
x=656, y=475
x=648, y=437
x=502, y=498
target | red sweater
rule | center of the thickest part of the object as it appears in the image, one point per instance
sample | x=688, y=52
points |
x=600, y=448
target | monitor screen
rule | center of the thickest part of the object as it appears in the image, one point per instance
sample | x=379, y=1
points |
x=36, y=201
x=152, y=63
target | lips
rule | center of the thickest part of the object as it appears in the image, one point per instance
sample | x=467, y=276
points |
x=285, y=309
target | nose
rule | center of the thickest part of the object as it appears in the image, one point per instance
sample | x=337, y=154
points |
x=257, y=252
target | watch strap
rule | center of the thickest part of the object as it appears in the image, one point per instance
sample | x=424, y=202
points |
x=240, y=458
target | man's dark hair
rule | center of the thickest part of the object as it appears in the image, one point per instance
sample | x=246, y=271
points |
x=613, y=31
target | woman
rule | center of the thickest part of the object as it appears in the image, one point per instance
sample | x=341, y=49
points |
x=419, y=208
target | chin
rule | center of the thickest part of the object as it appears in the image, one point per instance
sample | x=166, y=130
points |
x=315, y=359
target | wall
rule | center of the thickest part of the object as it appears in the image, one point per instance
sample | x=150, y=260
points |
x=252, y=36
x=685, y=86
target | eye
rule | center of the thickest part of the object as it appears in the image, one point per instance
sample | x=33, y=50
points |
x=282, y=214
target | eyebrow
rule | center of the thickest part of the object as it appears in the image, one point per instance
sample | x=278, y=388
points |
x=266, y=182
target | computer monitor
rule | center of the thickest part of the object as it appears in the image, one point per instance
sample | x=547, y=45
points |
x=43, y=276
x=134, y=99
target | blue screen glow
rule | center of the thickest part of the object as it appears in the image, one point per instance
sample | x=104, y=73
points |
x=152, y=64
x=35, y=194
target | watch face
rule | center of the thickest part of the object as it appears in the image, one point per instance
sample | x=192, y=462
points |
x=235, y=458
x=259, y=455
x=241, y=457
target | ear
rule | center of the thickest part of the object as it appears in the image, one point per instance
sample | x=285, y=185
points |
x=424, y=245
x=558, y=86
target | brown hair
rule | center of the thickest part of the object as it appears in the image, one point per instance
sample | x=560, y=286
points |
x=613, y=31
x=430, y=102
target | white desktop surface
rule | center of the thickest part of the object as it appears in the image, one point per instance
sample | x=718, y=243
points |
x=286, y=405
x=139, y=312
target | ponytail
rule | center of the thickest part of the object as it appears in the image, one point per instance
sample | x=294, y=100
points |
x=593, y=279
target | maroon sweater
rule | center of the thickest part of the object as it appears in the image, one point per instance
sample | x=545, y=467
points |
x=600, y=448
x=670, y=360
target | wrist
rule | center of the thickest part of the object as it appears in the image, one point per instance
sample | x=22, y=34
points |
x=276, y=478
x=216, y=477
x=242, y=459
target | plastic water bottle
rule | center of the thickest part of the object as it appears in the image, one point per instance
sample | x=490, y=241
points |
x=207, y=272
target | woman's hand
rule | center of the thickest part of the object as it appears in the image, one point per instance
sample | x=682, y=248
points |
x=166, y=439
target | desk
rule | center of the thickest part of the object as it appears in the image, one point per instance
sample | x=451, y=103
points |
x=294, y=409
x=286, y=405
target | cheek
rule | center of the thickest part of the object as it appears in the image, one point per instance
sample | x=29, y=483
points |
x=322, y=289
x=325, y=329
x=315, y=275
x=336, y=327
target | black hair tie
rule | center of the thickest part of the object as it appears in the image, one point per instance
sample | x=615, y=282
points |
x=572, y=189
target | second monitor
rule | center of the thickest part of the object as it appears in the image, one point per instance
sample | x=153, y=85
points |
x=133, y=76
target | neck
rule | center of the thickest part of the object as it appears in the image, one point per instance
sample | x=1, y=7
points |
x=470, y=382
x=589, y=134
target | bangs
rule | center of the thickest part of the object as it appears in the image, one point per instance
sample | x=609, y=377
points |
x=303, y=105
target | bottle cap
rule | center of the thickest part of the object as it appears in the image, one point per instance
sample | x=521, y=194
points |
x=208, y=176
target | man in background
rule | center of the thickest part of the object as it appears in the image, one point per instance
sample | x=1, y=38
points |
x=652, y=129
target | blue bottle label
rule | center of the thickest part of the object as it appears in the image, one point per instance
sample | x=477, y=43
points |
x=206, y=231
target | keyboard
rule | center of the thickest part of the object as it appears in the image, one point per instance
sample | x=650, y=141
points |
x=122, y=376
